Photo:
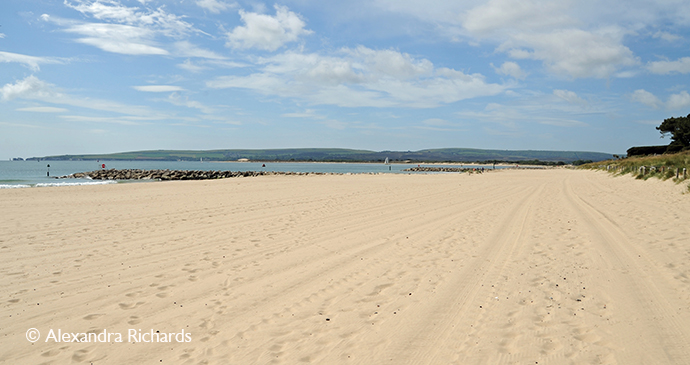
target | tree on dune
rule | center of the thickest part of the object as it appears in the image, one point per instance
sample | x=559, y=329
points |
x=679, y=129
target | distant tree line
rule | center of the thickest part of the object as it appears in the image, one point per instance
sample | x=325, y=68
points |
x=581, y=162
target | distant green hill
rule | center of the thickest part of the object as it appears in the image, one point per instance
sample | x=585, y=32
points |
x=346, y=155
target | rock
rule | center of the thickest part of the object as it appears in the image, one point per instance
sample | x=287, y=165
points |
x=437, y=169
x=138, y=174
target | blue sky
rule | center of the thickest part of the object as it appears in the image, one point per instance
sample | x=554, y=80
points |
x=100, y=76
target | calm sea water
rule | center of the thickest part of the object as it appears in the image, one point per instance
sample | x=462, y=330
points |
x=20, y=174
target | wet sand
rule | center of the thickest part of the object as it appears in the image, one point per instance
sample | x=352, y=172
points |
x=547, y=266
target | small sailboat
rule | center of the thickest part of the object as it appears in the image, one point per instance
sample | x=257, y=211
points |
x=386, y=162
x=201, y=159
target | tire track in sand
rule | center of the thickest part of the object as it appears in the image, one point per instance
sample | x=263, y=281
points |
x=632, y=286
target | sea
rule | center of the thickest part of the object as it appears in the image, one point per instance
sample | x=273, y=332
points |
x=29, y=174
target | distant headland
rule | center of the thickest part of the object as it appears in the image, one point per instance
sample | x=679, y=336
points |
x=349, y=155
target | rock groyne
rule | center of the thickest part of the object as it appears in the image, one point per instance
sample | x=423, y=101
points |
x=438, y=169
x=137, y=174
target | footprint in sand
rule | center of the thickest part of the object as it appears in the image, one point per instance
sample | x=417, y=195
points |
x=130, y=305
x=79, y=355
x=93, y=316
x=51, y=353
x=550, y=346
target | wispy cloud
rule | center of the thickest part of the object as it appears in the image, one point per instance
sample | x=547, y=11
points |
x=187, y=49
x=130, y=30
x=113, y=11
x=32, y=88
x=31, y=62
x=215, y=6
x=180, y=100
x=158, y=88
x=308, y=113
x=667, y=36
x=188, y=65
x=570, y=97
x=93, y=119
x=43, y=109
x=115, y=38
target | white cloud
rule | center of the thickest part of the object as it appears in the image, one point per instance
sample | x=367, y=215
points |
x=573, y=52
x=678, y=101
x=573, y=39
x=667, y=36
x=391, y=63
x=29, y=88
x=267, y=32
x=158, y=88
x=681, y=65
x=646, y=98
x=2, y=35
x=675, y=101
x=570, y=97
x=544, y=31
x=43, y=109
x=511, y=69
x=524, y=15
x=359, y=77
x=31, y=62
x=215, y=6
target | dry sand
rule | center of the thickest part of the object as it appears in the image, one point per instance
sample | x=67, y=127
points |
x=512, y=267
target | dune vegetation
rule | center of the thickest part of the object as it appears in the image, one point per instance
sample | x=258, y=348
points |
x=667, y=166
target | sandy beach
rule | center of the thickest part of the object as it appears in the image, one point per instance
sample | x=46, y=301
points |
x=551, y=266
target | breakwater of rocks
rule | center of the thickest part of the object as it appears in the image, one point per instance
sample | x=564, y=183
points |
x=137, y=174
x=437, y=169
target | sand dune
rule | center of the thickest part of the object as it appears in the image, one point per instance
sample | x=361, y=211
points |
x=511, y=267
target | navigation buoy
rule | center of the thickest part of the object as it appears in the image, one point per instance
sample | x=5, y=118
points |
x=103, y=166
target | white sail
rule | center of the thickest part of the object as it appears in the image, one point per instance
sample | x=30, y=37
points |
x=386, y=162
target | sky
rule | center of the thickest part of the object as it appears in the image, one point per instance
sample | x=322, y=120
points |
x=103, y=76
